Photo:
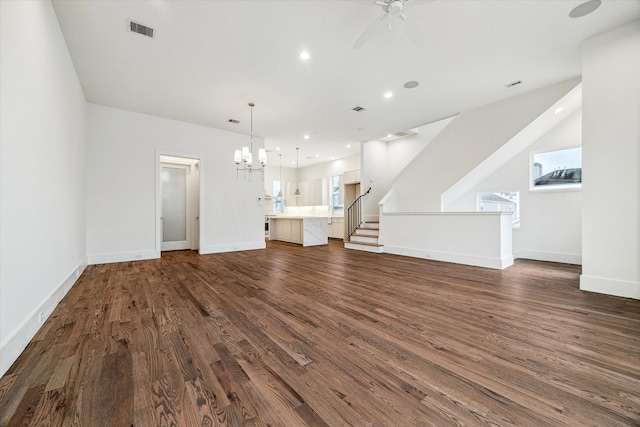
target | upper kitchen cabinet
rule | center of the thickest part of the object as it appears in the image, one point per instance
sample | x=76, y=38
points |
x=352, y=177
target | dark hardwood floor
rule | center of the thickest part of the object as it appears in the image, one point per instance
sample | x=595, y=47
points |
x=317, y=336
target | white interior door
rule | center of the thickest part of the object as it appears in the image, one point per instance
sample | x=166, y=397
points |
x=176, y=215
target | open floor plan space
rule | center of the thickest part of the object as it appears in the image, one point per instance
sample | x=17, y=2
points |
x=294, y=336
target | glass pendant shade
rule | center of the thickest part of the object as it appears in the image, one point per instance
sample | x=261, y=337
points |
x=262, y=156
x=238, y=157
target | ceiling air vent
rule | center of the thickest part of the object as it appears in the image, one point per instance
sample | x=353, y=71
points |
x=234, y=121
x=136, y=27
x=358, y=109
x=398, y=135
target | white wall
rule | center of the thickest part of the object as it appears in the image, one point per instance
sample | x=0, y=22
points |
x=376, y=174
x=402, y=151
x=122, y=216
x=470, y=138
x=42, y=172
x=383, y=161
x=611, y=163
x=550, y=222
x=329, y=169
x=474, y=238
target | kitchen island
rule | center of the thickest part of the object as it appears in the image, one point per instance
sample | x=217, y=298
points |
x=303, y=230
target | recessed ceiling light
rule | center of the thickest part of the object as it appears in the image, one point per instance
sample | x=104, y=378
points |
x=388, y=95
x=333, y=158
x=317, y=155
x=348, y=145
x=389, y=135
x=293, y=163
x=306, y=137
x=277, y=148
x=304, y=55
x=558, y=110
x=411, y=84
x=585, y=8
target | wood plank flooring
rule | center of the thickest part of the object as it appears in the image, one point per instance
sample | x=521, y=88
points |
x=323, y=336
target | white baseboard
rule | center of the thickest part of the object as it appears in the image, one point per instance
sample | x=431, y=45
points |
x=232, y=247
x=550, y=256
x=15, y=344
x=121, y=257
x=365, y=248
x=475, y=260
x=603, y=285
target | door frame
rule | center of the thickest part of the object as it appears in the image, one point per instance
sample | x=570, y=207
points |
x=196, y=181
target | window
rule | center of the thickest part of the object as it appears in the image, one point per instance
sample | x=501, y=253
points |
x=558, y=169
x=506, y=201
x=278, y=205
x=335, y=194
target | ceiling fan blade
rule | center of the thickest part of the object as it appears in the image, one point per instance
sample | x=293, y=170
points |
x=376, y=27
x=413, y=32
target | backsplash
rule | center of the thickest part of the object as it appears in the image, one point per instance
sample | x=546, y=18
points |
x=322, y=210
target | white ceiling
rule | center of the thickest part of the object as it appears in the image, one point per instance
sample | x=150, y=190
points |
x=209, y=59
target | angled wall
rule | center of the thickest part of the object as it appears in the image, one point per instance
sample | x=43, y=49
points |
x=470, y=139
x=550, y=221
x=383, y=161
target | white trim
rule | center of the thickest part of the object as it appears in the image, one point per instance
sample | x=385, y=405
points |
x=158, y=213
x=557, y=187
x=603, y=285
x=550, y=256
x=232, y=247
x=122, y=257
x=478, y=261
x=14, y=345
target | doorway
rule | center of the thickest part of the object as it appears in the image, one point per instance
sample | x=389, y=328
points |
x=179, y=194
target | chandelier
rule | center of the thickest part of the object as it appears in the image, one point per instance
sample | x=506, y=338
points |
x=245, y=156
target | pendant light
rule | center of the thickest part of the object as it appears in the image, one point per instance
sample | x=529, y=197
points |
x=280, y=192
x=297, y=192
x=246, y=154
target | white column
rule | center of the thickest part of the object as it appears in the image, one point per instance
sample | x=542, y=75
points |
x=611, y=163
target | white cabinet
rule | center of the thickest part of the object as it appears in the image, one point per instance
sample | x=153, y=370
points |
x=352, y=177
x=287, y=230
x=336, y=228
x=307, y=231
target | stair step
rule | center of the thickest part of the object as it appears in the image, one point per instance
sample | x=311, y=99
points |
x=370, y=225
x=359, y=238
x=367, y=232
x=367, y=247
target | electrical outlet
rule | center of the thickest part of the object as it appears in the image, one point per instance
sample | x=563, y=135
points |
x=427, y=255
x=41, y=317
x=138, y=256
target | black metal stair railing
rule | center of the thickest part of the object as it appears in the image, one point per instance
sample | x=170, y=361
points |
x=354, y=214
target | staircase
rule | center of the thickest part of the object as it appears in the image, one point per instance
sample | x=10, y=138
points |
x=365, y=238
